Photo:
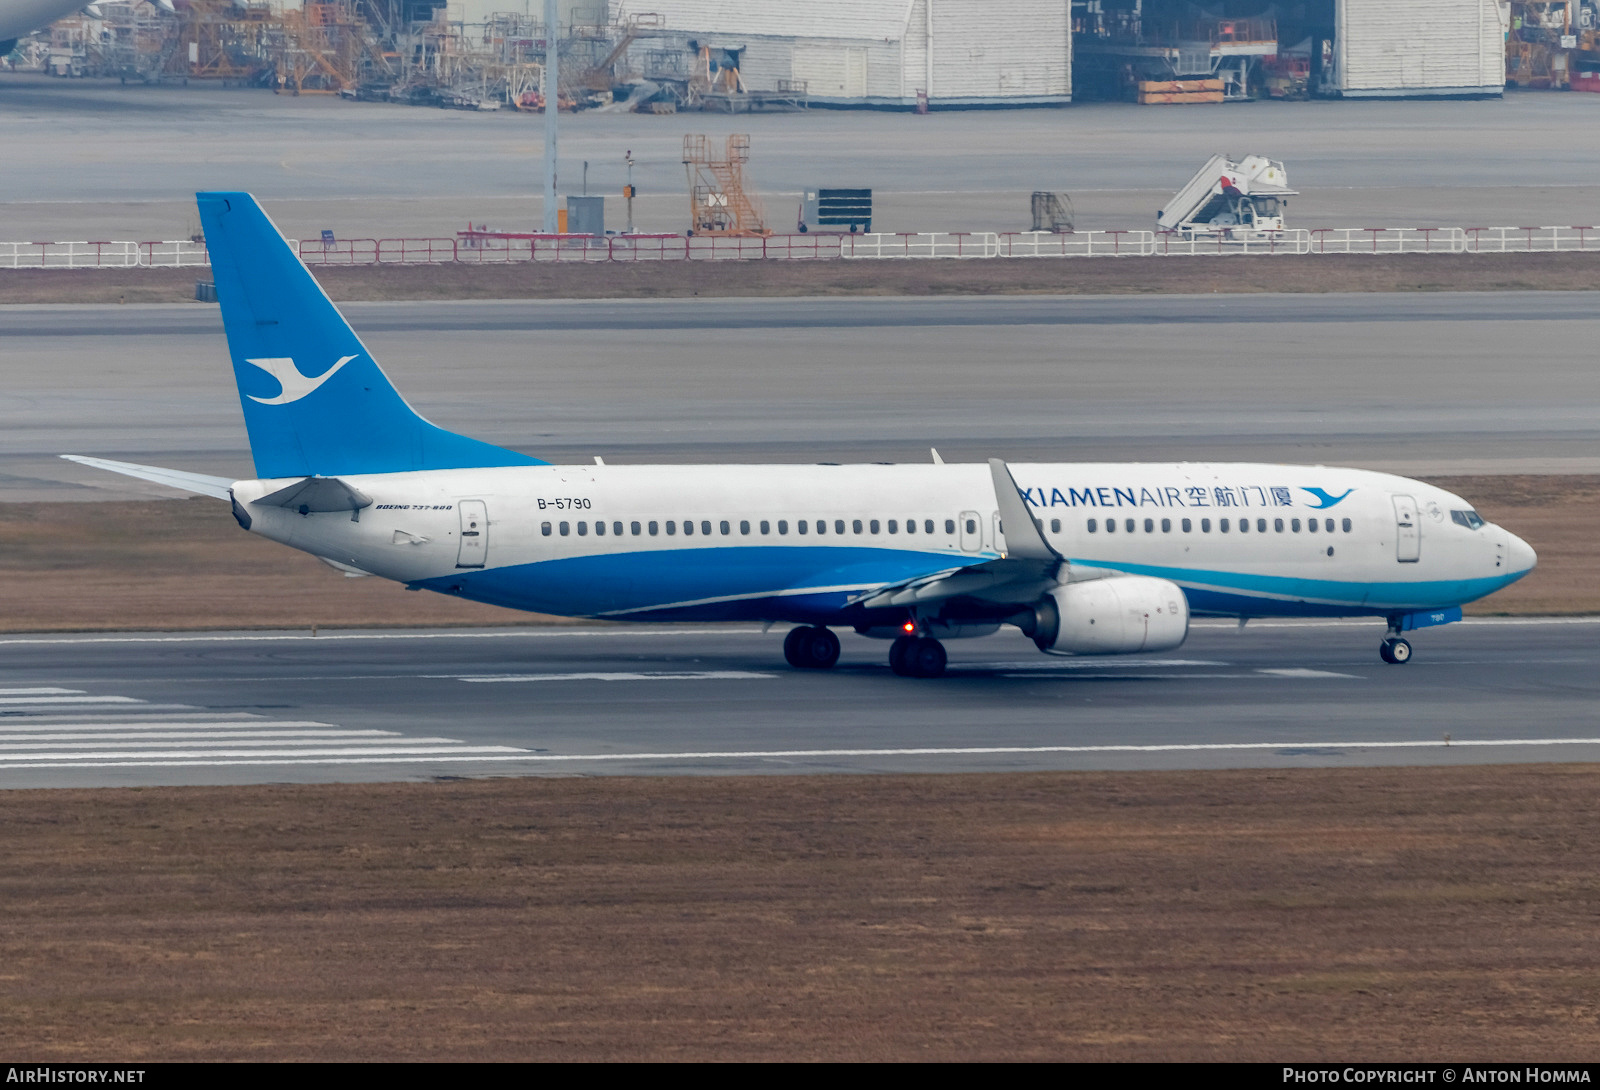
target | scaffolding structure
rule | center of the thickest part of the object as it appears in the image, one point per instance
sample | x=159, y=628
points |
x=720, y=204
x=406, y=51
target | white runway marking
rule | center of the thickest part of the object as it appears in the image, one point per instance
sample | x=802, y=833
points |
x=1088, y=662
x=661, y=675
x=1301, y=672
x=41, y=700
x=118, y=731
x=508, y=754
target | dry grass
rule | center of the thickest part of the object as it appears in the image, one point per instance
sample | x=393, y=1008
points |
x=676, y=279
x=184, y=564
x=1413, y=914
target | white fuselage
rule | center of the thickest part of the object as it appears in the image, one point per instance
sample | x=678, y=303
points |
x=616, y=541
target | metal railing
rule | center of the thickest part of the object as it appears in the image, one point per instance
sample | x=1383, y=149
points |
x=513, y=249
x=103, y=255
x=927, y=244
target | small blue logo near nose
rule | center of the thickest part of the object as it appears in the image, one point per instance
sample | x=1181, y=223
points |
x=1327, y=500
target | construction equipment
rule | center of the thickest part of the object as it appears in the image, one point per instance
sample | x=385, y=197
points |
x=1052, y=212
x=838, y=209
x=719, y=202
x=1228, y=199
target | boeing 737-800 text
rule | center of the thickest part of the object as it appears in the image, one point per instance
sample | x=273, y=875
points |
x=1086, y=558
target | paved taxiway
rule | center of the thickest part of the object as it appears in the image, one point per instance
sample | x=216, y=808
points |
x=1416, y=383
x=277, y=707
x=107, y=161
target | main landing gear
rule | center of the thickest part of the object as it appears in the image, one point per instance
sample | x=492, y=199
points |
x=811, y=648
x=917, y=656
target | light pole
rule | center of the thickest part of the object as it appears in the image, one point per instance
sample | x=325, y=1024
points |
x=552, y=98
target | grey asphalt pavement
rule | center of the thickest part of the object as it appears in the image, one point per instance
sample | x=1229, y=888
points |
x=1417, y=384
x=352, y=706
x=95, y=160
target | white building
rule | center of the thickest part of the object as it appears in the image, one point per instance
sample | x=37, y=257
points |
x=1424, y=47
x=883, y=52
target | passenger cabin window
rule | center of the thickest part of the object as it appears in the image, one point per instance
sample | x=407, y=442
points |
x=1294, y=525
x=1128, y=526
x=838, y=526
x=911, y=526
x=705, y=528
x=1277, y=524
x=599, y=529
x=1244, y=526
x=1205, y=526
x=652, y=529
x=1311, y=525
x=799, y=527
x=1469, y=519
x=1346, y=526
x=727, y=529
x=783, y=526
x=972, y=526
x=872, y=527
x=949, y=527
x=1149, y=526
x=1055, y=526
x=1261, y=526
x=544, y=528
x=856, y=525
x=744, y=526
x=1166, y=526
x=634, y=526
x=894, y=527
x=688, y=527
x=566, y=528
x=672, y=528
x=1111, y=526
x=1187, y=525
x=583, y=529
x=1092, y=526
x=1222, y=525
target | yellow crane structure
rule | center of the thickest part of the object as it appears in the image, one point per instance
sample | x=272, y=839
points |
x=719, y=201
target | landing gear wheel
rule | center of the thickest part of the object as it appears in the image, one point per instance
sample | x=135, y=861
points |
x=811, y=648
x=899, y=655
x=925, y=658
x=1395, y=650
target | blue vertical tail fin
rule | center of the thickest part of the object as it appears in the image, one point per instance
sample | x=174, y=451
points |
x=315, y=401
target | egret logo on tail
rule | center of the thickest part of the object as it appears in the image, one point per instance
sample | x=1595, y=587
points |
x=295, y=385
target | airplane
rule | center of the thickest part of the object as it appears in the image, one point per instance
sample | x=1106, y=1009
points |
x=1085, y=558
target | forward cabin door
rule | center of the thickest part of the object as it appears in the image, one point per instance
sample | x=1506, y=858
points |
x=1408, y=530
x=474, y=534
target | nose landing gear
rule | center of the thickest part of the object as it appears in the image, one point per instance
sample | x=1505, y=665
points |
x=811, y=648
x=1395, y=649
x=917, y=656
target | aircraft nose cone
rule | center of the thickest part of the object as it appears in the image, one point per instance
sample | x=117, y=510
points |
x=1520, y=557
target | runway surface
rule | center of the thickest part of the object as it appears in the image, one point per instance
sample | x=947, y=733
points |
x=1418, y=384
x=106, y=161
x=355, y=706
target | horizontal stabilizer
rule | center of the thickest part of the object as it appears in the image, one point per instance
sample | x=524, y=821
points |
x=218, y=487
x=318, y=494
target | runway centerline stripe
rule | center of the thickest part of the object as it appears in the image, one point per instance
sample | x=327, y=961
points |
x=1301, y=672
x=704, y=675
x=13, y=727
x=43, y=690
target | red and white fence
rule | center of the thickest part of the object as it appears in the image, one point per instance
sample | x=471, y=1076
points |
x=504, y=250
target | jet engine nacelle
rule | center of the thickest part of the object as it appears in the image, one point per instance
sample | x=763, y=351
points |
x=1117, y=615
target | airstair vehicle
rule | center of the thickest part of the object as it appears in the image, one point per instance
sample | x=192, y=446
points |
x=1231, y=200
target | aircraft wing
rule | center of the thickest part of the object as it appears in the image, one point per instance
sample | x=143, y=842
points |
x=218, y=487
x=1029, y=567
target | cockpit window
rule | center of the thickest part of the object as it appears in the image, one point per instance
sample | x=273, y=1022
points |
x=1470, y=519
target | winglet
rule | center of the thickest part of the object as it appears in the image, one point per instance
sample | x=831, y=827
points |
x=938, y=461
x=1024, y=536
